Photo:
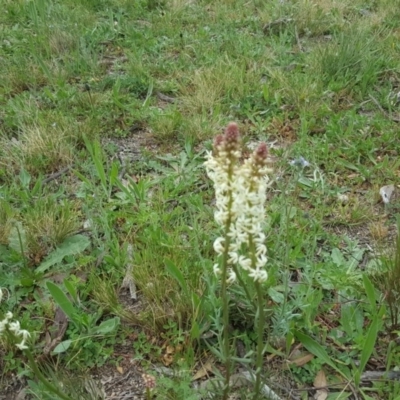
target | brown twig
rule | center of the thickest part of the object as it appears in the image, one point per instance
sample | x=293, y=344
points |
x=56, y=175
x=166, y=98
x=380, y=375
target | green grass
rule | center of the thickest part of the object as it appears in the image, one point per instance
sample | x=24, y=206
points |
x=82, y=80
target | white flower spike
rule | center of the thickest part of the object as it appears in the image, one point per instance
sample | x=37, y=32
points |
x=240, y=191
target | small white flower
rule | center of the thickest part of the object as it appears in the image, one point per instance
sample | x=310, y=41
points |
x=216, y=269
x=245, y=263
x=232, y=276
x=15, y=328
x=25, y=335
x=259, y=275
x=219, y=245
x=22, y=345
x=261, y=261
x=234, y=257
x=261, y=250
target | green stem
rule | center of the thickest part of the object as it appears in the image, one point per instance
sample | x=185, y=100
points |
x=225, y=315
x=260, y=322
x=224, y=296
x=260, y=341
x=42, y=378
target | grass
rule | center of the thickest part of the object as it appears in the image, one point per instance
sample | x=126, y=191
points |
x=122, y=99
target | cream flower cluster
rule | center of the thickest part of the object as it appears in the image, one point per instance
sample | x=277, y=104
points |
x=240, y=191
x=13, y=327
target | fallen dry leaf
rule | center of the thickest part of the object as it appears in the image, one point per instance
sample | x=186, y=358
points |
x=320, y=380
x=203, y=371
x=120, y=369
x=302, y=359
x=321, y=394
x=320, y=384
x=167, y=359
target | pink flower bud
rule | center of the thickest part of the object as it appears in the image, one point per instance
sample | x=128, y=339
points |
x=232, y=132
x=262, y=151
x=218, y=140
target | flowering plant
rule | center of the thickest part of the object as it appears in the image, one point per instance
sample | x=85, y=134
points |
x=240, y=191
x=6, y=325
x=13, y=330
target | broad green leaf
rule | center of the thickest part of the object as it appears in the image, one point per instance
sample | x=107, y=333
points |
x=25, y=178
x=315, y=348
x=337, y=257
x=177, y=274
x=62, y=347
x=346, y=314
x=276, y=296
x=306, y=181
x=369, y=344
x=107, y=326
x=17, y=235
x=37, y=188
x=62, y=300
x=370, y=291
x=72, y=245
x=27, y=282
x=266, y=93
x=113, y=173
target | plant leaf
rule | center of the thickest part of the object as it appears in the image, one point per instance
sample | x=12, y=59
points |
x=369, y=345
x=107, y=326
x=62, y=300
x=62, y=347
x=72, y=245
x=71, y=289
x=315, y=348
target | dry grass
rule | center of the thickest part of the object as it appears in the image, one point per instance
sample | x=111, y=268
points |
x=38, y=149
x=47, y=225
x=61, y=42
x=210, y=86
x=6, y=218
